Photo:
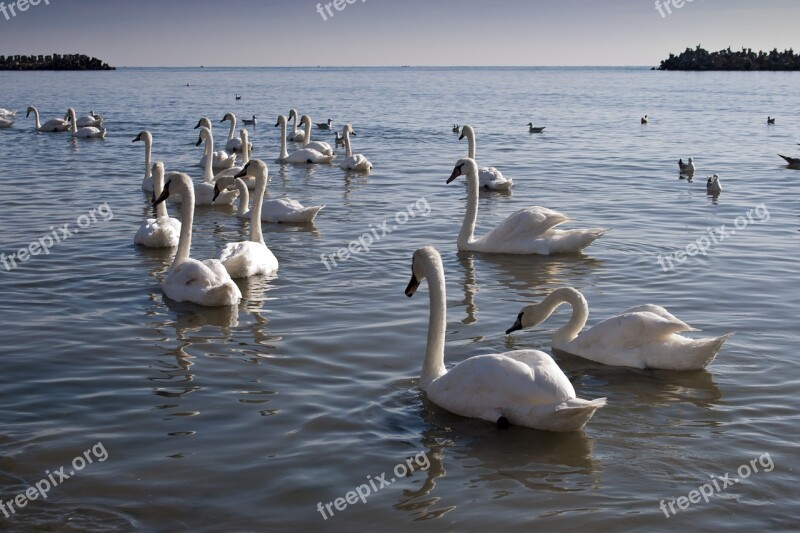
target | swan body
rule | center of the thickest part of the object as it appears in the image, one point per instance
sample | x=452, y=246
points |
x=89, y=121
x=532, y=129
x=353, y=161
x=233, y=144
x=297, y=135
x=488, y=177
x=189, y=280
x=147, y=138
x=233, y=171
x=204, y=192
x=162, y=231
x=686, y=168
x=522, y=387
x=304, y=155
x=713, y=185
x=251, y=257
x=646, y=336
x=220, y=160
x=320, y=146
x=6, y=122
x=280, y=210
x=531, y=230
x=7, y=112
x=87, y=132
x=55, y=125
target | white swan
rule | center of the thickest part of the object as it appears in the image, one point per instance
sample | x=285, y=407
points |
x=7, y=112
x=713, y=185
x=189, y=280
x=5, y=122
x=320, y=146
x=522, y=387
x=686, y=168
x=233, y=144
x=233, y=171
x=280, y=210
x=488, y=177
x=220, y=160
x=645, y=336
x=225, y=183
x=162, y=231
x=88, y=121
x=303, y=155
x=147, y=181
x=297, y=135
x=204, y=192
x=528, y=231
x=353, y=161
x=87, y=132
x=248, y=258
x=54, y=125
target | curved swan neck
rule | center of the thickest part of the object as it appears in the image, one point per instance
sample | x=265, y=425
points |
x=470, y=134
x=580, y=312
x=73, y=122
x=258, y=200
x=244, y=197
x=36, y=114
x=294, y=122
x=433, y=367
x=284, y=152
x=348, y=151
x=307, y=123
x=467, y=233
x=232, y=131
x=187, y=218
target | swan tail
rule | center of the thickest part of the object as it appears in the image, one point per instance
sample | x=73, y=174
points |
x=696, y=355
x=572, y=241
x=571, y=415
x=708, y=351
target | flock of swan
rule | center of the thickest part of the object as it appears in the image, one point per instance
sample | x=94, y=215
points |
x=521, y=387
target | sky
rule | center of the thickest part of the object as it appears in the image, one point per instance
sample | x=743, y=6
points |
x=394, y=32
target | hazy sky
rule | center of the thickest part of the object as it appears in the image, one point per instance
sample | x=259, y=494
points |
x=394, y=32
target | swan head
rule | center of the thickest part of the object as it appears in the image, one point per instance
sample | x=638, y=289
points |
x=70, y=115
x=205, y=133
x=253, y=169
x=223, y=184
x=144, y=135
x=466, y=131
x=31, y=109
x=422, y=258
x=281, y=121
x=203, y=123
x=228, y=116
x=305, y=119
x=463, y=167
x=158, y=168
x=530, y=316
x=348, y=128
x=292, y=114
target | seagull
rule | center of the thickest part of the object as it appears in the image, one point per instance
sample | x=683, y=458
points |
x=712, y=185
x=456, y=128
x=238, y=96
x=770, y=120
x=250, y=121
x=534, y=130
x=644, y=119
x=686, y=168
x=325, y=125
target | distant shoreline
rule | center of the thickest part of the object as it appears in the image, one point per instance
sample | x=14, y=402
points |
x=52, y=62
x=727, y=60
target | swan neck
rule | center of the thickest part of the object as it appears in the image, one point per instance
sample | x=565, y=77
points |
x=284, y=152
x=232, y=131
x=245, y=149
x=307, y=137
x=255, y=214
x=244, y=197
x=158, y=186
x=36, y=114
x=580, y=312
x=187, y=218
x=148, y=146
x=433, y=367
x=348, y=151
x=73, y=123
x=208, y=171
x=471, y=141
x=467, y=233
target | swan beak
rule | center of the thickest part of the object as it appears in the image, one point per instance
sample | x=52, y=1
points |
x=216, y=192
x=353, y=133
x=413, y=285
x=242, y=173
x=164, y=194
x=199, y=141
x=138, y=138
x=517, y=325
x=456, y=173
x=277, y=123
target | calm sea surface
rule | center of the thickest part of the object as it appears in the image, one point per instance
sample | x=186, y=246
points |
x=245, y=419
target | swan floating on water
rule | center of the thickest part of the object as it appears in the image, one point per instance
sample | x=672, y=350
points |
x=521, y=387
x=233, y=171
x=528, y=231
x=488, y=177
x=320, y=146
x=304, y=155
x=297, y=135
x=162, y=231
x=189, y=280
x=353, y=161
x=147, y=182
x=233, y=144
x=220, y=160
x=87, y=132
x=88, y=121
x=645, y=336
x=7, y=112
x=54, y=125
x=204, y=192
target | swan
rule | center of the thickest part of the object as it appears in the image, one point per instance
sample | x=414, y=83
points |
x=686, y=168
x=712, y=185
x=528, y=231
x=645, y=119
x=531, y=129
x=7, y=112
x=5, y=123
x=233, y=144
x=303, y=155
x=189, y=280
x=162, y=231
x=280, y=210
x=522, y=387
x=320, y=146
x=87, y=132
x=225, y=183
x=233, y=171
x=325, y=125
x=220, y=159
x=645, y=336
x=147, y=182
x=51, y=126
x=297, y=135
x=248, y=258
x=353, y=161
x=89, y=121
x=488, y=177
x=204, y=192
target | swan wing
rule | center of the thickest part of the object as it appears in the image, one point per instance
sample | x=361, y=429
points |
x=527, y=223
x=287, y=210
x=491, y=178
x=628, y=331
x=247, y=258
